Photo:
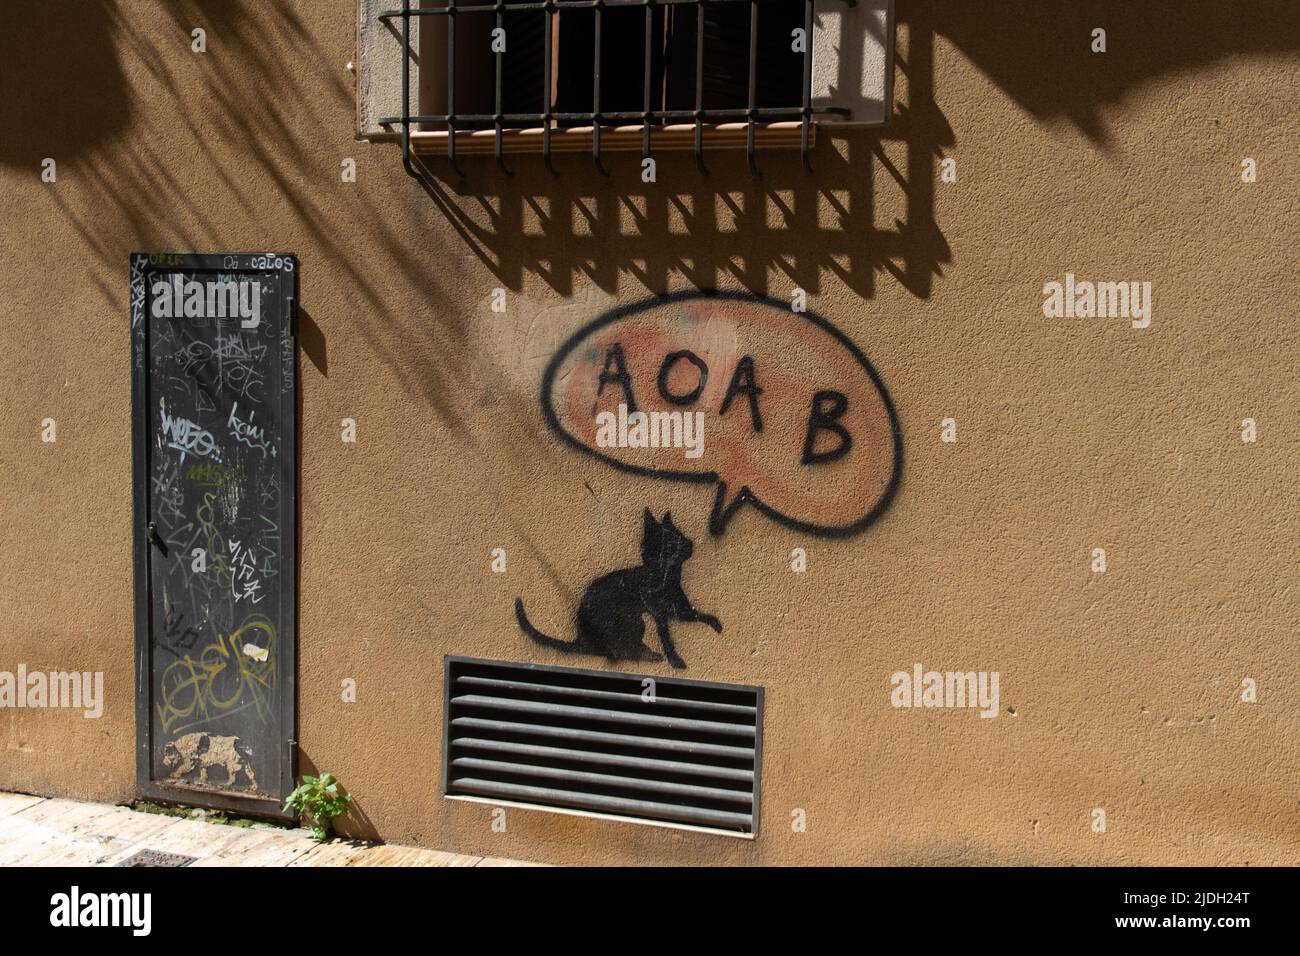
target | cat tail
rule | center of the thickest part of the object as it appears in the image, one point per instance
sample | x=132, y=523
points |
x=526, y=626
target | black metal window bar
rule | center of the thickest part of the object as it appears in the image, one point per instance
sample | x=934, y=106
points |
x=646, y=117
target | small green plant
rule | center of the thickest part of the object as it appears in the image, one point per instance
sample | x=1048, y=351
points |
x=320, y=800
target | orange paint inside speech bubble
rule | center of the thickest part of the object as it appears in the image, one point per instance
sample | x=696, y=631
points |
x=817, y=448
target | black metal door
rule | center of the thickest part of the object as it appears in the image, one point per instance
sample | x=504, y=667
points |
x=214, y=395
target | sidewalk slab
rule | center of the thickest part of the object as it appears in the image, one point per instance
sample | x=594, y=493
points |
x=50, y=831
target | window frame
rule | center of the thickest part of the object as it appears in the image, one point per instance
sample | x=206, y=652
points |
x=389, y=33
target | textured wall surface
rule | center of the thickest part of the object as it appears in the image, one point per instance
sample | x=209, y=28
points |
x=1119, y=690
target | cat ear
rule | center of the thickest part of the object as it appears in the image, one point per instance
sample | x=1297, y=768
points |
x=649, y=520
x=668, y=519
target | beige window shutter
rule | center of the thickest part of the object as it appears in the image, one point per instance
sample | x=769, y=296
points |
x=853, y=59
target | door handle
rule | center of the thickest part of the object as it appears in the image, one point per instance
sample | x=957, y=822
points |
x=155, y=538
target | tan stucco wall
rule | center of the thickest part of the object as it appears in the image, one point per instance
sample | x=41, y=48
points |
x=1119, y=690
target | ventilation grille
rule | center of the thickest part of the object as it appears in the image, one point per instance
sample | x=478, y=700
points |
x=675, y=751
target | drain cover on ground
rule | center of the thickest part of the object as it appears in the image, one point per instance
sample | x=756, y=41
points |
x=157, y=858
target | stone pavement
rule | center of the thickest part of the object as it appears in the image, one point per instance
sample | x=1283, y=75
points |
x=49, y=831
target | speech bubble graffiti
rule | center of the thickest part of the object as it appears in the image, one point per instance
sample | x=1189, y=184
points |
x=794, y=417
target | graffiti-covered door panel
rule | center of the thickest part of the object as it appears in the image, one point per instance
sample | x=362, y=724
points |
x=215, y=469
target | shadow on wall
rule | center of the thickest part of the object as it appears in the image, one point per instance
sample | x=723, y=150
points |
x=724, y=226
x=202, y=152
x=54, y=55
x=868, y=208
x=731, y=227
x=1039, y=51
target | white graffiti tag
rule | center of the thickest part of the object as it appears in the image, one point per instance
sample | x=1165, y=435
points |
x=188, y=438
x=254, y=436
x=243, y=580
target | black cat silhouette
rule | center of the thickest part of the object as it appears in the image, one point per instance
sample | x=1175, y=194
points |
x=611, y=616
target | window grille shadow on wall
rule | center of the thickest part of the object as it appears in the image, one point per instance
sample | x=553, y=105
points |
x=479, y=76
x=869, y=209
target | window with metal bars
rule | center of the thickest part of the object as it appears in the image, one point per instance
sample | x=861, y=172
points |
x=503, y=76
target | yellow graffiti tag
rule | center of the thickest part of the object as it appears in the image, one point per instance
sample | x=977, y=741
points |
x=233, y=673
x=212, y=537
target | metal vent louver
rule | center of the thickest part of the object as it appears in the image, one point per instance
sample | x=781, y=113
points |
x=677, y=752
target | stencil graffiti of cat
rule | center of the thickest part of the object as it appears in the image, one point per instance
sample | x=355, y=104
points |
x=611, y=615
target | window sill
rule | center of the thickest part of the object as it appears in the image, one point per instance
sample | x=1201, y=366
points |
x=482, y=142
